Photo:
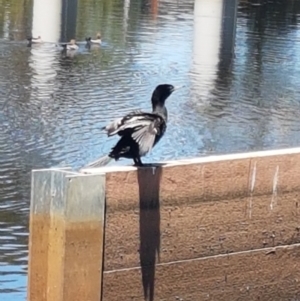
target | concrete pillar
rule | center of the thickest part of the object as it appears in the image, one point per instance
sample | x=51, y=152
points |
x=66, y=236
x=46, y=19
x=54, y=20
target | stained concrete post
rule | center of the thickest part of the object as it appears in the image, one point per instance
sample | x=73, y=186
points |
x=66, y=236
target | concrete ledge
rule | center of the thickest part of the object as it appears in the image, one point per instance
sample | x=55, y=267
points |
x=206, y=159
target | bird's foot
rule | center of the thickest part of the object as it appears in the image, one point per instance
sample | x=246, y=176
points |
x=137, y=162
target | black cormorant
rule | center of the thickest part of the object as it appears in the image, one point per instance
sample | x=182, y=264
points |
x=139, y=131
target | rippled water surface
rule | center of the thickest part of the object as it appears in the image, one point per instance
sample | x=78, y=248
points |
x=52, y=106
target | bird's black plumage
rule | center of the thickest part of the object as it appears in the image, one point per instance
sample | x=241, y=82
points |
x=139, y=131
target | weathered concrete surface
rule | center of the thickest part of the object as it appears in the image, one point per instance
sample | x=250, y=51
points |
x=213, y=228
x=203, y=229
x=188, y=212
x=269, y=275
x=203, y=208
x=66, y=236
x=39, y=225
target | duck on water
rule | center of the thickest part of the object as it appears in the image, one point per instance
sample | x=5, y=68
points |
x=32, y=40
x=94, y=41
x=139, y=131
x=70, y=46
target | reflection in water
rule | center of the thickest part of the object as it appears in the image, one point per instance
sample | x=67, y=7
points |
x=53, y=106
x=68, y=19
x=213, y=45
x=125, y=17
x=206, y=46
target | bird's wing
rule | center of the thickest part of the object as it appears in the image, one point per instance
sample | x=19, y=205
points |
x=131, y=120
x=143, y=128
x=113, y=127
x=145, y=135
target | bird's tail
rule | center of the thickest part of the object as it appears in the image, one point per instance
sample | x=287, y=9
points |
x=100, y=162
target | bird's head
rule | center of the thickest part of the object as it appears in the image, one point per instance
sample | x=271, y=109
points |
x=162, y=92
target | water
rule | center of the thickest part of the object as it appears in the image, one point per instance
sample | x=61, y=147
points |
x=53, y=106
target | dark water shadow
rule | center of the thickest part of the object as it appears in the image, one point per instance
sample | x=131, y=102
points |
x=224, y=79
x=149, y=187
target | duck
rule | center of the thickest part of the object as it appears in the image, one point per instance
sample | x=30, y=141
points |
x=139, y=131
x=35, y=40
x=71, y=45
x=94, y=41
x=32, y=40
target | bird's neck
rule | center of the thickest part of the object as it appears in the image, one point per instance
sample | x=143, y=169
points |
x=161, y=110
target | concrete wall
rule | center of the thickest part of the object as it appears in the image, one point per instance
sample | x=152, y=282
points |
x=214, y=228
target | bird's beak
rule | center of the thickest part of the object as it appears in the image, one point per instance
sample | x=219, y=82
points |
x=177, y=88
